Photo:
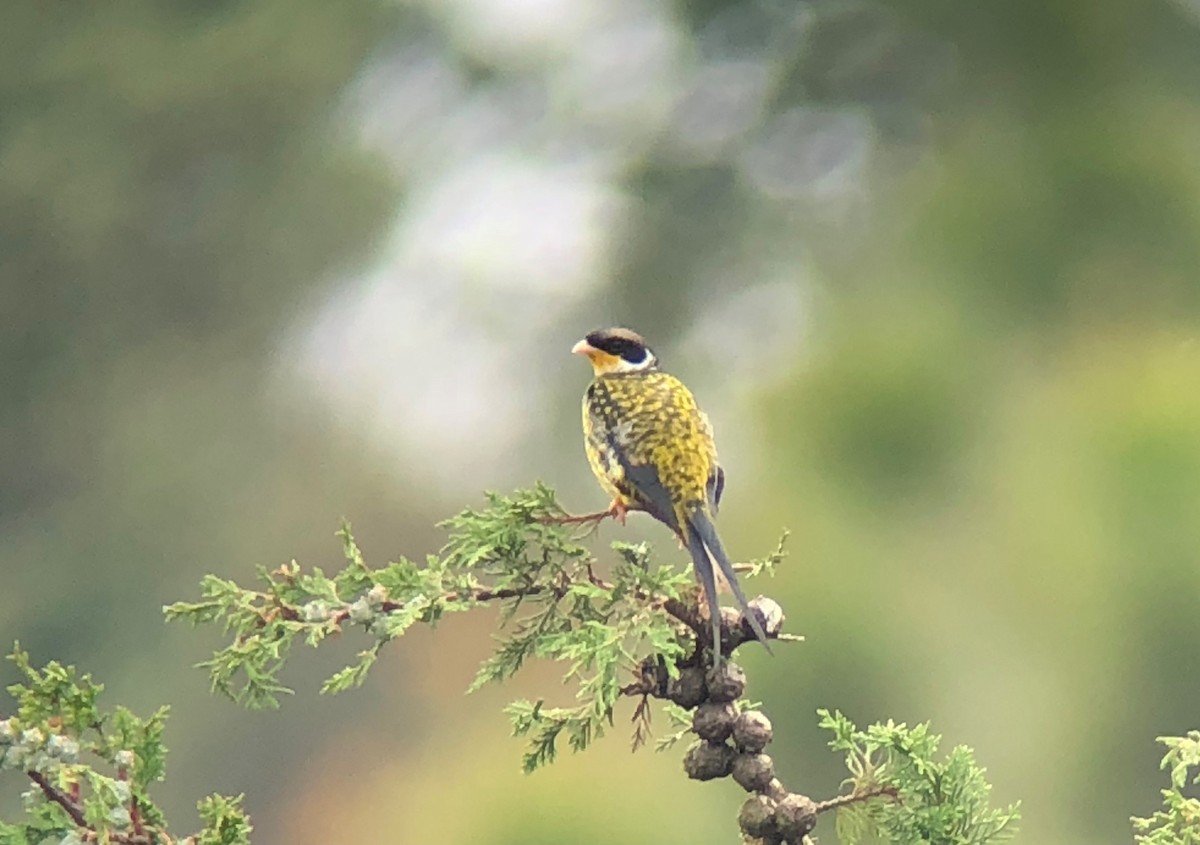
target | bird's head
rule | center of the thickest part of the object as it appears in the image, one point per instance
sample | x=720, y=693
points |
x=616, y=351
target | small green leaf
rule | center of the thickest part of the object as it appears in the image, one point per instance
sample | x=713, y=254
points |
x=353, y=675
x=224, y=820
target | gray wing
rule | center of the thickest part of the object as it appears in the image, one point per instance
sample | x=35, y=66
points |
x=716, y=479
x=648, y=489
x=715, y=487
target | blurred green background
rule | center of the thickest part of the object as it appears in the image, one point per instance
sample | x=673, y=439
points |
x=932, y=266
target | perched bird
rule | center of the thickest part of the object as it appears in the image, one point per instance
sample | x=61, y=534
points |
x=652, y=449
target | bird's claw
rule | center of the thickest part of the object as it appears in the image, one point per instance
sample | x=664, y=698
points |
x=616, y=511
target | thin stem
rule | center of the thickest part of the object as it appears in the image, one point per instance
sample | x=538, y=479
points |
x=59, y=797
x=855, y=797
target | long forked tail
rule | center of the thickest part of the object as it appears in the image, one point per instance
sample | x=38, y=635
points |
x=705, y=547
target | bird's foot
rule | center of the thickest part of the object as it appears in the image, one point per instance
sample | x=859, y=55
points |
x=616, y=510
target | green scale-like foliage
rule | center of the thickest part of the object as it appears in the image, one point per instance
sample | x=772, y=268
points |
x=92, y=770
x=552, y=606
x=636, y=631
x=938, y=802
x=1178, y=822
x=611, y=634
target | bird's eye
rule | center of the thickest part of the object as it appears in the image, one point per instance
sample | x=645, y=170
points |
x=641, y=358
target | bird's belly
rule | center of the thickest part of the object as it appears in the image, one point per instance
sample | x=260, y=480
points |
x=608, y=470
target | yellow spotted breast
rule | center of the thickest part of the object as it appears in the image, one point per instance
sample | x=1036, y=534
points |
x=639, y=421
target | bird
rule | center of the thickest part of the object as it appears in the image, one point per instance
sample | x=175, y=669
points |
x=652, y=449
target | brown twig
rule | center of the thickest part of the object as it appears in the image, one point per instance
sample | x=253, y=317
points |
x=135, y=817
x=688, y=614
x=477, y=594
x=59, y=797
x=641, y=721
x=483, y=594
x=140, y=835
x=855, y=797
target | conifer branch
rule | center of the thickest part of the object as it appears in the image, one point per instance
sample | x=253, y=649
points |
x=637, y=631
x=70, y=807
x=840, y=801
x=92, y=770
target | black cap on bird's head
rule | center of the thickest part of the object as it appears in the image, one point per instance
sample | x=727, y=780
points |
x=616, y=351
